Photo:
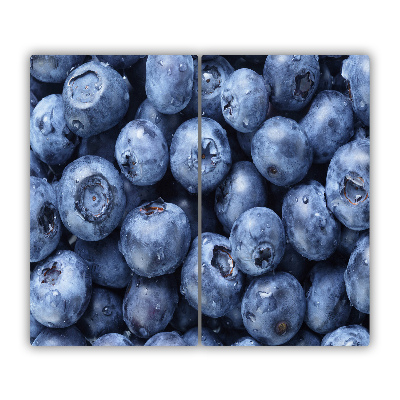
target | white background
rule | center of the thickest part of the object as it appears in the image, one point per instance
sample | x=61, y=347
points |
x=227, y=27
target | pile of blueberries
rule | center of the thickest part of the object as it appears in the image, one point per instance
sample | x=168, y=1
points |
x=280, y=158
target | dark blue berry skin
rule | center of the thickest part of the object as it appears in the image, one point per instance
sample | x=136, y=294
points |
x=310, y=226
x=35, y=328
x=103, y=315
x=213, y=75
x=273, y=308
x=257, y=241
x=232, y=195
x=173, y=192
x=246, y=341
x=33, y=103
x=53, y=69
x=348, y=241
x=137, y=195
x=292, y=80
x=233, y=318
x=244, y=100
x=95, y=99
x=185, y=316
x=108, y=265
x=347, y=185
x=325, y=78
x=221, y=280
x=102, y=145
x=244, y=140
x=45, y=222
x=356, y=71
x=149, y=304
x=293, y=263
x=91, y=198
x=328, y=307
x=208, y=337
x=183, y=155
x=37, y=167
x=50, y=138
x=328, y=124
x=356, y=276
x=281, y=151
x=142, y=152
x=119, y=62
x=351, y=335
x=70, y=336
x=169, y=82
x=155, y=238
x=112, y=339
x=166, y=339
x=167, y=124
x=60, y=289
x=216, y=155
x=304, y=338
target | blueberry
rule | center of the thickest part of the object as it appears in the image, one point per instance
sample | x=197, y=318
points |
x=112, y=339
x=273, y=308
x=108, y=265
x=310, y=226
x=221, y=280
x=281, y=151
x=355, y=70
x=142, y=152
x=246, y=341
x=167, y=123
x=244, y=100
x=348, y=241
x=185, y=316
x=328, y=124
x=208, y=337
x=53, y=69
x=37, y=167
x=119, y=62
x=258, y=241
x=155, y=238
x=347, y=185
x=169, y=82
x=304, y=338
x=103, y=315
x=60, y=289
x=293, y=263
x=137, y=195
x=293, y=80
x=45, y=222
x=70, y=336
x=216, y=156
x=91, y=198
x=232, y=195
x=149, y=304
x=328, y=307
x=35, y=328
x=352, y=335
x=183, y=155
x=102, y=145
x=33, y=102
x=213, y=75
x=166, y=339
x=244, y=140
x=356, y=276
x=51, y=140
x=173, y=192
x=90, y=105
